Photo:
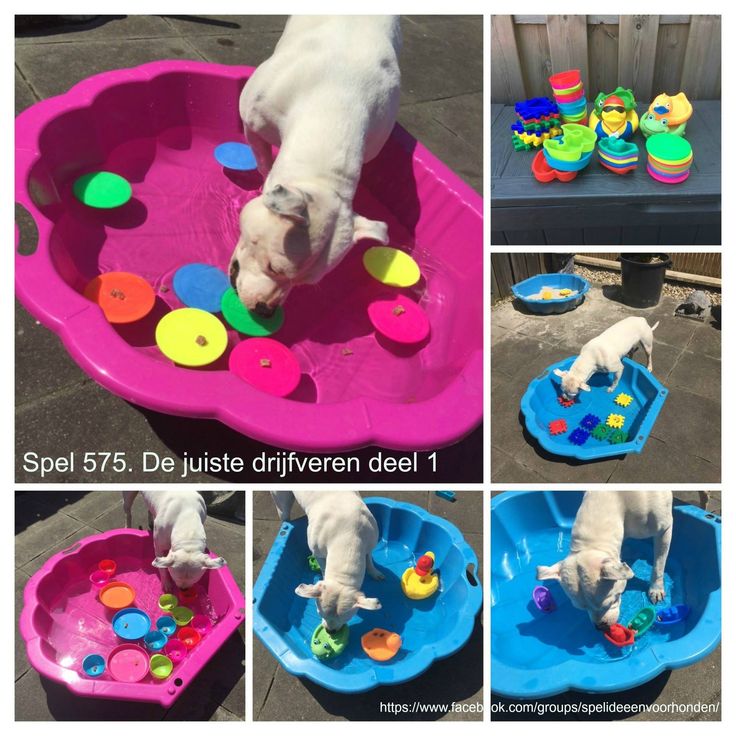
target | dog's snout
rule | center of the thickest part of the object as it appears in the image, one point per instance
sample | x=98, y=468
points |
x=234, y=271
x=263, y=310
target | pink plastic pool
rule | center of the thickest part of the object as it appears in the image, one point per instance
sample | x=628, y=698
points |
x=63, y=621
x=157, y=125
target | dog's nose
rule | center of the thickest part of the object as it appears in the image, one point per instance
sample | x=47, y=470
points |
x=263, y=310
x=234, y=270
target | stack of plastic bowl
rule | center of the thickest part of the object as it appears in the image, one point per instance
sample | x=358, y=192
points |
x=572, y=150
x=618, y=155
x=669, y=158
x=537, y=119
x=570, y=96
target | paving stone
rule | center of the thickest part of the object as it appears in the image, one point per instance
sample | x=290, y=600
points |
x=36, y=563
x=706, y=340
x=226, y=25
x=21, y=660
x=24, y=96
x=103, y=28
x=42, y=536
x=697, y=374
x=248, y=49
x=94, y=504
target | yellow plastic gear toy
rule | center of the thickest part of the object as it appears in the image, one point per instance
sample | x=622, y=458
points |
x=623, y=399
x=616, y=420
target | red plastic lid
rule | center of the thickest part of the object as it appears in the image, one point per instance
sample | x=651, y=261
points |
x=123, y=297
x=266, y=364
x=399, y=319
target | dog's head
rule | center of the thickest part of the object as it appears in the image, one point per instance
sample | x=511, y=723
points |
x=187, y=568
x=593, y=581
x=293, y=235
x=571, y=385
x=336, y=603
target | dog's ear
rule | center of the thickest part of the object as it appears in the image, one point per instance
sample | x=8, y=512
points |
x=213, y=563
x=559, y=373
x=549, y=573
x=363, y=228
x=309, y=591
x=584, y=387
x=291, y=203
x=369, y=604
x=167, y=561
x=615, y=570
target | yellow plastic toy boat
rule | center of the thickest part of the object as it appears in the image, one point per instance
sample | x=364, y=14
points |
x=420, y=582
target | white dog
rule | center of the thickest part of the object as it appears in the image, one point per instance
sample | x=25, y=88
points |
x=328, y=96
x=341, y=532
x=604, y=353
x=179, y=539
x=593, y=575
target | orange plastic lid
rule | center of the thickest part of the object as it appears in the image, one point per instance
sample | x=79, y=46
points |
x=380, y=644
x=123, y=297
x=117, y=595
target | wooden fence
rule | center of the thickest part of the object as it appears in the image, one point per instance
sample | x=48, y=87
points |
x=508, y=269
x=647, y=53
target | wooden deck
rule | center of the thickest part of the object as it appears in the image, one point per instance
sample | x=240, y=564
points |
x=600, y=207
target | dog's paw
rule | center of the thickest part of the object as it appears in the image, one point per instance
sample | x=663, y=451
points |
x=611, y=389
x=376, y=575
x=656, y=593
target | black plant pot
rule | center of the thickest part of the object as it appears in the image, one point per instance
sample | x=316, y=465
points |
x=642, y=282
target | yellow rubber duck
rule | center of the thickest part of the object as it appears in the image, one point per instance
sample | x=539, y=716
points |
x=420, y=582
x=614, y=115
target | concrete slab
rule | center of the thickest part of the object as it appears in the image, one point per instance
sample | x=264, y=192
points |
x=103, y=28
x=225, y=25
x=37, y=562
x=24, y=96
x=21, y=661
x=698, y=374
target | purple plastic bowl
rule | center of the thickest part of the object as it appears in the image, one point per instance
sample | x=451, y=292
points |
x=158, y=125
x=63, y=621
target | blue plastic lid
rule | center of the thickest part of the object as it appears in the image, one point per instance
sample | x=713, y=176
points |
x=201, y=286
x=131, y=624
x=238, y=156
x=93, y=665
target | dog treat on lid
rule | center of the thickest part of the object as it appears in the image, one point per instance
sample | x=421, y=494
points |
x=391, y=266
x=123, y=297
x=191, y=337
x=201, y=286
x=267, y=365
x=399, y=319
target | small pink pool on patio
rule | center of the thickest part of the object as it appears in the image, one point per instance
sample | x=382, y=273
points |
x=63, y=620
x=157, y=126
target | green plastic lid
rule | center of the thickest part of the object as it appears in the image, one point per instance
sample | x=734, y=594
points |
x=247, y=322
x=325, y=645
x=102, y=189
x=668, y=147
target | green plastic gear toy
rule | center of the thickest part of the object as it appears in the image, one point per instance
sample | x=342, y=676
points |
x=618, y=437
x=601, y=432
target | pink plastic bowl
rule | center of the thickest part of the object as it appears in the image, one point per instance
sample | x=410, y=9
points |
x=99, y=578
x=63, y=621
x=157, y=125
x=175, y=650
x=201, y=624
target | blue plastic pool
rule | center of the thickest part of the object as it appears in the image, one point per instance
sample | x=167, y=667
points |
x=540, y=406
x=536, y=654
x=524, y=289
x=430, y=629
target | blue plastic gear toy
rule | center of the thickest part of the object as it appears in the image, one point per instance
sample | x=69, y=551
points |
x=578, y=436
x=590, y=422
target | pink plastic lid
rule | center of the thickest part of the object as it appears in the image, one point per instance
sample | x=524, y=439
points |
x=399, y=319
x=128, y=663
x=266, y=364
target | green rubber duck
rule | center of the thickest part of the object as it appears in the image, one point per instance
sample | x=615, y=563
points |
x=328, y=646
x=650, y=124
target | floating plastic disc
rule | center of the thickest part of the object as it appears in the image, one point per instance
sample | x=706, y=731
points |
x=123, y=297
x=267, y=365
x=247, y=322
x=201, y=286
x=391, y=266
x=399, y=319
x=128, y=663
x=116, y=595
x=191, y=337
x=102, y=190
x=131, y=624
x=238, y=156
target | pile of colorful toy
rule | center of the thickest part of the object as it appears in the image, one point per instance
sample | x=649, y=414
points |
x=164, y=645
x=618, y=155
x=537, y=120
x=669, y=158
x=611, y=429
x=567, y=88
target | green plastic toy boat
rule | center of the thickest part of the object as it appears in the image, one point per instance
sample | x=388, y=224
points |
x=642, y=621
x=328, y=646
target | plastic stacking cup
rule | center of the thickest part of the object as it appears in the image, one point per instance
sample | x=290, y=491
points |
x=182, y=615
x=175, y=650
x=166, y=625
x=108, y=566
x=563, y=150
x=155, y=641
x=161, y=666
x=99, y=578
x=189, y=636
x=188, y=596
x=201, y=624
x=168, y=602
x=93, y=665
x=565, y=80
